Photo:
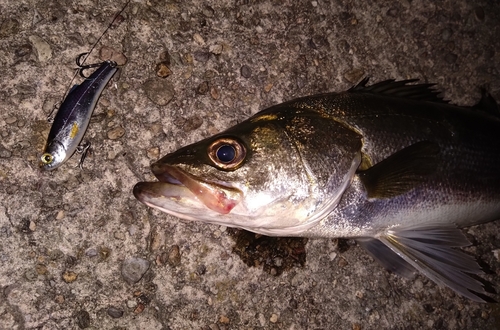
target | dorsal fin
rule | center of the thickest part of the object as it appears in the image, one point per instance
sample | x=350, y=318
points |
x=391, y=87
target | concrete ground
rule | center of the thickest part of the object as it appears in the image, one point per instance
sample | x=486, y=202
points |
x=77, y=250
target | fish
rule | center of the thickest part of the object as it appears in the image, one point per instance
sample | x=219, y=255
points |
x=391, y=165
x=73, y=117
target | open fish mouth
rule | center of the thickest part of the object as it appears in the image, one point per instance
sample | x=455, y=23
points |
x=178, y=187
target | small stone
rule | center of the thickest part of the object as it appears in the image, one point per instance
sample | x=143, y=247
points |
x=187, y=59
x=10, y=26
x=268, y=87
x=216, y=49
x=202, y=88
x=60, y=215
x=82, y=319
x=4, y=153
x=161, y=259
x=201, y=270
x=69, y=276
x=37, y=18
x=342, y=262
x=201, y=56
x=115, y=312
x=31, y=275
x=356, y=326
x=92, y=252
x=131, y=304
x=43, y=49
x=32, y=225
x=159, y=91
x=119, y=235
x=133, y=269
x=192, y=123
x=162, y=70
x=157, y=239
x=104, y=253
x=245, y=71
x=274, y=318
x=116, y=133
x=109, y=53
x=208, y=11
x=174, y=256
x=139, y=309
x=198, y=39
x=214, y=93
x=156, y=129
x=56, y=254
x=41, y=269
x=59, y=298
x=496, y=253
x=153, y=153
x=132, y=230
x=354, y=75
x=10, y=120
x=165, y=57
x=224, y=319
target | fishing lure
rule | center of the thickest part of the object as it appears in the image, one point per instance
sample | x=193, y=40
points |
x=73, y=117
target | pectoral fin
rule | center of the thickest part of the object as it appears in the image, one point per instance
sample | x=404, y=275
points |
x=402, y=171
x=430, y=250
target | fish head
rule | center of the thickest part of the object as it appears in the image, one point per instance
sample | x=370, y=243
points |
x=274, y=174
x=53, y=157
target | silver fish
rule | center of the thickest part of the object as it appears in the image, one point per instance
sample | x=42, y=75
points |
x=391, y=165
x=73, y=117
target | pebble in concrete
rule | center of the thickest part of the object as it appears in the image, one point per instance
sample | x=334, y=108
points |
x=133, y=269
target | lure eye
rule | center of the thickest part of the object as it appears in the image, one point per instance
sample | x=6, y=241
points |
x=47, y=158
x=227, y=153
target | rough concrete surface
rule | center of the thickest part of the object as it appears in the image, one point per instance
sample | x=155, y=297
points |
x=77, y=250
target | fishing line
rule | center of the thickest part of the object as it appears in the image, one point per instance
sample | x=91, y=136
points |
x=81, y=63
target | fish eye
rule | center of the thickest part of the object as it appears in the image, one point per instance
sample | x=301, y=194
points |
x=227, y=153
x=47, y=158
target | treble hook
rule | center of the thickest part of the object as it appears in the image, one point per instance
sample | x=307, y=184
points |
x=82, y=67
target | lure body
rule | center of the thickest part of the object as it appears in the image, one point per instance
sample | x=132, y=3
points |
x=73, y=117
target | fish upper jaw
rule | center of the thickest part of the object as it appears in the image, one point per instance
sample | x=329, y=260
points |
x=216, y=197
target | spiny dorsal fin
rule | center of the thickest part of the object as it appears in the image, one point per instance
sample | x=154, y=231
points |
x=402, y=171
x=391, y=87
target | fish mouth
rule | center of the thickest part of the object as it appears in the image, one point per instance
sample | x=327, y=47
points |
x=176, y=186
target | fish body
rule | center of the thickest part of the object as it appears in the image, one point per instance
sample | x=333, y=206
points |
x=391, y=165
x=73, y=117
